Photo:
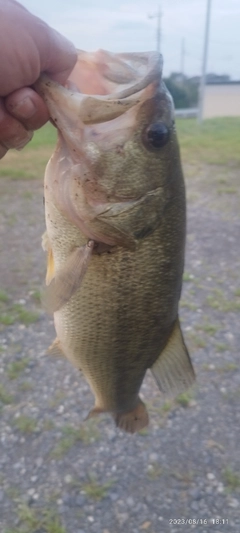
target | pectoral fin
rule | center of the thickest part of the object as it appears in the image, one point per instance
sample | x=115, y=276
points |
x=68, y=279
x=173, y=370
x=50, y=267
x=50, y=261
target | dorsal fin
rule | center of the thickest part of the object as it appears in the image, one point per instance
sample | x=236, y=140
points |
x=173, y=370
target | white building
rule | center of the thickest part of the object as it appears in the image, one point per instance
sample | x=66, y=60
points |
x=222, y=99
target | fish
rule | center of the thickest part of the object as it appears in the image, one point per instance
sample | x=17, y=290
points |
x=115, y=213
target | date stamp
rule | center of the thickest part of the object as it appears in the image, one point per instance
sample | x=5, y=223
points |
x=199, y=521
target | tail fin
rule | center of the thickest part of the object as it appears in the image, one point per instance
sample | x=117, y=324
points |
x=134, y=420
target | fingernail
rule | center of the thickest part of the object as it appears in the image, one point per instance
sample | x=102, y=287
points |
x=3, y=151
x=25, y=141
x=24, y=109
x=18, y=142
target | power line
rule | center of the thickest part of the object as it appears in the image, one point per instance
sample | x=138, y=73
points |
x=183, y=53
x=158, y=16
x=204, y=63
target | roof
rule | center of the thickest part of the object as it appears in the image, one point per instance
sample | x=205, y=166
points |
x=235, y=82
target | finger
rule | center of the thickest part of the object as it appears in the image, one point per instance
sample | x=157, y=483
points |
x=28, y=107
x=3, y=151
x=12, y=133
x=30, y=47
x=58, y=56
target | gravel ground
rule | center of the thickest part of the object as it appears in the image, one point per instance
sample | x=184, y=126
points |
x=62, y=475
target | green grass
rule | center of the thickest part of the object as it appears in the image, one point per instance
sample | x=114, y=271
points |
x=231, y=479
x=3, y=296
x=183, y=476
x=15, y=173
x=24, y=316
x=16, y=368
x=37, y=520
x=25, y=424
x=30, y=163
x=221, y=347
x=167, y=406
x=218, y=300
x=6, y=319
x=228, y=367
x=227, y=190
x=25, y=386
x=196, y=341
x=188, y=305
x=87, y=433
x=15, y=313
x=161, y=410
x=13, y=492
x=5, y=397
x=211, y=329
x=95, y=490
x=27, y=195
x=46, y=136
x=184, y=399
x=36, y=295
x=143, y=432
x=48, y=425
x=187, y=276
x=57, y=398
x=215, y=141
x=154, y=471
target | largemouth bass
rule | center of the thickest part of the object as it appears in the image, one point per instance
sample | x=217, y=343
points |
x=115, y=219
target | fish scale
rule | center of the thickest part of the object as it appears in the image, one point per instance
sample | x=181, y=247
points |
x=115, y=264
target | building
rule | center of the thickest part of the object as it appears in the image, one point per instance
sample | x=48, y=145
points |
x=221, y=99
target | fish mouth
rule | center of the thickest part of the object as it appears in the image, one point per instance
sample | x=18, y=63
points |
x=101, y=87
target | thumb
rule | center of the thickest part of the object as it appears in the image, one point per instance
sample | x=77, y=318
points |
x=57, y=56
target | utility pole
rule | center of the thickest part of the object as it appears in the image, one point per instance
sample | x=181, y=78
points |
x=158, y=16
x=182, y=56
x=204, y=64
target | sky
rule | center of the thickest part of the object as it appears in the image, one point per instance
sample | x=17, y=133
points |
x=126, y=26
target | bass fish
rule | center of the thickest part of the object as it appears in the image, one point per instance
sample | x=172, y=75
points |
x=115, y=230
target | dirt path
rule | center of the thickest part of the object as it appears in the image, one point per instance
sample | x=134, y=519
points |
x=60, y=475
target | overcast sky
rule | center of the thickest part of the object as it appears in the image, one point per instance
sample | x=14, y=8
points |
x=122, y=26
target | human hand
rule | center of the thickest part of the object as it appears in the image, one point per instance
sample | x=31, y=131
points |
x=28, y=47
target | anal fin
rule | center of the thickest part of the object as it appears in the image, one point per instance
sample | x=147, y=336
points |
x=55, y=348
x=173, y=370
x=95, y=411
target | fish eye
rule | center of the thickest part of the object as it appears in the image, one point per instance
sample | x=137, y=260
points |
x=156, y=135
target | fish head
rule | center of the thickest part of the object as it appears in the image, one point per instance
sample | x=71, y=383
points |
x=116, y=116
x=117, y=140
